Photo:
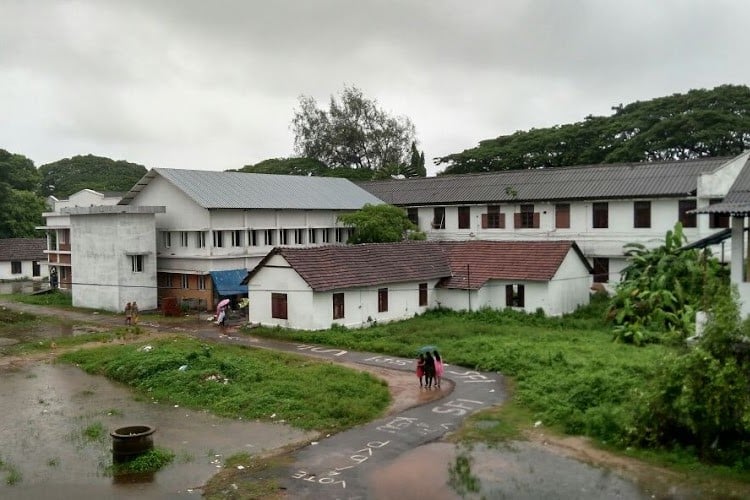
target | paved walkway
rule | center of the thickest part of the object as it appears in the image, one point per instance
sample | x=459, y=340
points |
x=337, y=466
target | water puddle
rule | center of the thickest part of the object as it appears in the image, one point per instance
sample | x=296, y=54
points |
x=55, y=436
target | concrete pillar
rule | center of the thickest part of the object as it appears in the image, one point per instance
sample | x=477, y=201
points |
x=738, y=249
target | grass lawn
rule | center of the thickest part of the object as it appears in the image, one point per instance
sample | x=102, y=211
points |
x=566, y=372
x=235, y=381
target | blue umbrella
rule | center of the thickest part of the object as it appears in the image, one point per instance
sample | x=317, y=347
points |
x=427, y=348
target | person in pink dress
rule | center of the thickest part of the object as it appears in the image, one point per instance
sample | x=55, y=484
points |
x=438, y=367
x=420, y=368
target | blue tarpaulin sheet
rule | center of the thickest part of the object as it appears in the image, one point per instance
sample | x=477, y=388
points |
x=228, y=282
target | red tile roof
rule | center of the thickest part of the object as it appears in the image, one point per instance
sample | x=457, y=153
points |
x=23, y=249
x=475, y=262
x=344, y=266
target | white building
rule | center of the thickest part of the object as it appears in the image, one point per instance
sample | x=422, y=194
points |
x=600, y=207
x=23, y=259
x=356, y=285
x=57, y=227
x=190, y=235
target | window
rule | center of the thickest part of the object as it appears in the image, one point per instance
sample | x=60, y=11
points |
x=201, y=282
x=165, y=280
x=514, y=296
x=200, y=237
x=493, y=219
x=15, y=267
x=686, y=219
x=641, y=214
x=184, y=241
x=438, y=218
x=526, y=218
x=341, y=235
x=252, y=238
x=562, y=216
x=601, y=269
x=136, y=263
x=338, y=305
x=283, y=236
x=601, y=214
x=166, y=239
x=423, y=294
x=413, y=215
x=326, y=235
x=717, y=220
x=236, y=238
x=278, y=306
x=185, y=281
x=464, y=217
x=299, y=236
x=36, y=269
x=382, y=299
x=311, y=235
x=268, y=237
x=218, y=239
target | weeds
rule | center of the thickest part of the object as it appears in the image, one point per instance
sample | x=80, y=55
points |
x=460, y=477
x=94, y=432
x=151, y=461
x=12, y=474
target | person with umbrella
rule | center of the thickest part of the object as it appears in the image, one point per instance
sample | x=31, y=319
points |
x=221, y=312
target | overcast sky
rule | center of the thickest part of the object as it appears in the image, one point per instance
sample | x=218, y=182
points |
x=212, y=85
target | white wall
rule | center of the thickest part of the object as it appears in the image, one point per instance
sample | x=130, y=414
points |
x=103, y=276
x=280, y=278
x=570, y=287
x=27, y=270
x=182, y=212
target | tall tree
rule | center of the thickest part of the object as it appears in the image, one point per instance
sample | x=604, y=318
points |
x=304, y=166
x=20, y=208
x=700, y=123
x=353, y=133
x=65, y=177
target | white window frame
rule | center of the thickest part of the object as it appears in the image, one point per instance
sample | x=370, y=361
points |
x=184, y=239
x=236, y=235
x=167, y=239
x=136, y=263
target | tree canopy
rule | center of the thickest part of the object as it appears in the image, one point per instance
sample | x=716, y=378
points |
x=380, y=224
x=304, y=166
x=354, y=133
x=65, y=177
x=699, y=123
x=20, y=207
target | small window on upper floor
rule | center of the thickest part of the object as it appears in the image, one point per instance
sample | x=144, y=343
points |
x=136, y=263
x=236, y=238
x=464, y=217
x=641, y=214
x=438, y=218
x=166, y=239
x=562, y=215
x=184, y=239
x=218, y=239
x=200, y=238
x=600, y=211
x=686, y=219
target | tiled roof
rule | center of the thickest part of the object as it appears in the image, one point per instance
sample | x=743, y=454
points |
x=345, y=266
x=239, y=190
x=336, y=267
x=603, y=181
x=474, y=262
x=23, y=249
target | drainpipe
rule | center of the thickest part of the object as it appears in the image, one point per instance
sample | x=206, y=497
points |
x=468, y=283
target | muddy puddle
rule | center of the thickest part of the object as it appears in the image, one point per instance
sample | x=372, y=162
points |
x=519, y=470
x=55, y=443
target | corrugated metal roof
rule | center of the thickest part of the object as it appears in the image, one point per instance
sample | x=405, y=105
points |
x=737, y=200
x=240, y=190
x=602, y=181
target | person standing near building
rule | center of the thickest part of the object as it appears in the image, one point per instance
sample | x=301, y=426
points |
x=420, y=369
x=438, y=368
x=429, y=370
x=135, y=313
x=128, y=313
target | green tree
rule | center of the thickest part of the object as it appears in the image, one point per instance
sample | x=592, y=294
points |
x=70, y=175
x=699, y=123
x=20, y=209
x=304, y=166
x=662, y=288
x=20, y=213
x=380, y=224
x=353, y=133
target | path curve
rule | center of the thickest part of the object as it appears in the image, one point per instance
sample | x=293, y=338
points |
x=338, y=465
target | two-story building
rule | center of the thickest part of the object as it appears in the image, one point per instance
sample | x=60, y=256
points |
x=600, y=207
x=192, y=235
